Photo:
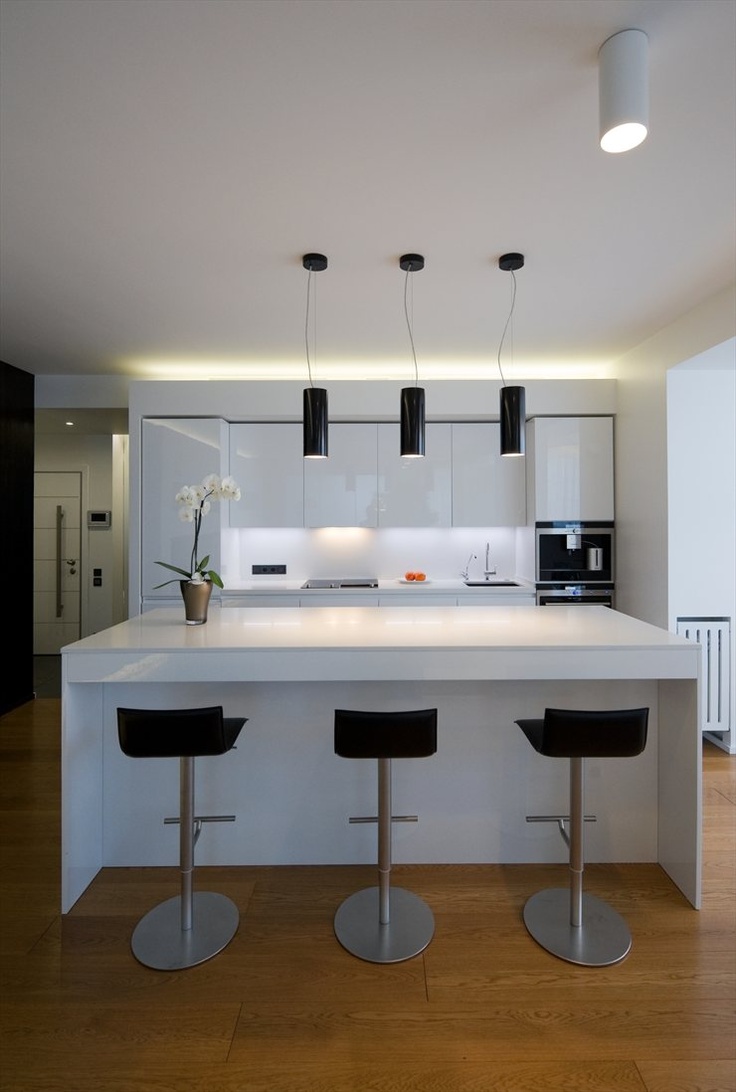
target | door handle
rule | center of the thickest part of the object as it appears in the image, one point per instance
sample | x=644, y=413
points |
x=59, y=530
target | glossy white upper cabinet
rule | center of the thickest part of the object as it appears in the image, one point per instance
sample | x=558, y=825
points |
x=177, y=452
x=487, y=489
x=266, y=462
x=415, y=492
x=340, y=491
x=570, y=468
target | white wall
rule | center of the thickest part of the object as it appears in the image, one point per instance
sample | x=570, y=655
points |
x=701, y=420
x=641, y=453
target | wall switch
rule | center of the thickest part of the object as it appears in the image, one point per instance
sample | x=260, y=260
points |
x=268, y=570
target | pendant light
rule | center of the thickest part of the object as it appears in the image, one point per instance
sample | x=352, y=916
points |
x=315, y=398
x=623, y=88
x=513, y=399
x=412, y=398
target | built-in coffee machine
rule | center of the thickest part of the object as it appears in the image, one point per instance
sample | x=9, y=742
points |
x=569, y=552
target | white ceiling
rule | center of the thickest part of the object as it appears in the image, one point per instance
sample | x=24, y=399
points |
x=166, y=164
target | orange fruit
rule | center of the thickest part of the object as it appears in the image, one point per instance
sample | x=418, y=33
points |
x=420, y=576
x=410, y=576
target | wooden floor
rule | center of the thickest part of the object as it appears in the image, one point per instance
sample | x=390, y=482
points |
x=285, y=1009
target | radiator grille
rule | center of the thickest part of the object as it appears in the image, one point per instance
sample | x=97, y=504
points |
x=714, y=637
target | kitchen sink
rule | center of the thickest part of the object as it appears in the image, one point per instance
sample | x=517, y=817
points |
x=491, y=583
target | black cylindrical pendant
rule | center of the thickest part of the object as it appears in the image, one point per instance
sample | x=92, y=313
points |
x=315, y=423
x=412, y=422
x=513, y=420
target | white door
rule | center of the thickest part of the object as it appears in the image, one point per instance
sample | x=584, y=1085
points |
x=56, y=561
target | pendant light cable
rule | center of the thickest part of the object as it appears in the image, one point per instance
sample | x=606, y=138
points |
x=306, y=325
x=508, y=320
x=408, y=323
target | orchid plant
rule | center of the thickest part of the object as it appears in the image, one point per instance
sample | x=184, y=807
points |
x=194, y=503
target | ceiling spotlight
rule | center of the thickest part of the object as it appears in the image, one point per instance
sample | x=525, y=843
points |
x=623, y=86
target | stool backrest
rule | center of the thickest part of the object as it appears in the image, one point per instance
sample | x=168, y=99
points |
x=172, y=733
x=608, y=733
x=410, y=734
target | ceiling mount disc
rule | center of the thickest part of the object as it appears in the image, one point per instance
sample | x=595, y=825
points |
x=511, y=262
x=411, y=263
x=315, y=263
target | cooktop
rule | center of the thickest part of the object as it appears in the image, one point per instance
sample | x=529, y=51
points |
x=343, y=582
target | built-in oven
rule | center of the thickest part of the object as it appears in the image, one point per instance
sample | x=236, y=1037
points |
x=574, y=553
x=561, y=595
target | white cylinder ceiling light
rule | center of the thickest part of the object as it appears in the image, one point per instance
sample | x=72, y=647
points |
x=623, y=85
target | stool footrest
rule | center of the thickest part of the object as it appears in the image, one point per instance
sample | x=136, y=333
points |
x=374, y=819
x=558, y=818
x=173, y=819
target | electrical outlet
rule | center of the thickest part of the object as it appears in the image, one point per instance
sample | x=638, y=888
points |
x=268, y=570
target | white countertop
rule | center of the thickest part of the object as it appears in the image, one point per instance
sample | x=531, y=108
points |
x=341, y=643
x=385, y=585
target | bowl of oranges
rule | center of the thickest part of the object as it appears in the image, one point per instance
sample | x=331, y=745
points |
x=414, y=577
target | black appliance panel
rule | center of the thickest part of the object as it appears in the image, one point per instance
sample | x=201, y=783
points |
x=575, y=595
x=576, y=552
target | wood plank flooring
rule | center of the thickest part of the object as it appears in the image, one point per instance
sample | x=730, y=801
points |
x=285, y=1009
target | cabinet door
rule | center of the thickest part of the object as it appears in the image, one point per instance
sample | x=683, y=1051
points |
x=571, y=468
x=267, y=463
x=341, y=491
x=415, y=492
x=487, y=490
x=176, y=452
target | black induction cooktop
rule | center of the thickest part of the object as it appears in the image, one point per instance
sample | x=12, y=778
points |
x=342, y=582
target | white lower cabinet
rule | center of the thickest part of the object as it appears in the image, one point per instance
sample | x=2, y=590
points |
x=415, y=492
x=419, y=599
x=488, y=490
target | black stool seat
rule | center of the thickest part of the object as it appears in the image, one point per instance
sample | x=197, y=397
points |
x=189, y=928
x=574, y=733
x=385, y=924
x=177, y=733
x=577, y=927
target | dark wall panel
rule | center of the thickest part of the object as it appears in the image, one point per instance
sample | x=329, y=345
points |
x=16, y=490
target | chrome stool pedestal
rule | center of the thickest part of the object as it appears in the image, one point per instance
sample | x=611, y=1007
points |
x=385, y=924
x=574, y=926
x=189, y=928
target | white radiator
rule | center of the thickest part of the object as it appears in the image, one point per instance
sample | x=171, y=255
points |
x=714, y=637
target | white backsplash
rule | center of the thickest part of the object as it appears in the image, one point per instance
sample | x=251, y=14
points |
x=356, y=551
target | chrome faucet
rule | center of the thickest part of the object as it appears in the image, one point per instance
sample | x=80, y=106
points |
x=466, y=570
x=488, y=571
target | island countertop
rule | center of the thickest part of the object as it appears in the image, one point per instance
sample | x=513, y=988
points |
x=287, y=669
x=344, y=643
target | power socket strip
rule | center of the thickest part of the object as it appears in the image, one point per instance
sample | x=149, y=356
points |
x=268, y=570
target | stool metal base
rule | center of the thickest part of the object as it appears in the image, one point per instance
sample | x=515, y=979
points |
x=159, y=941
x=359, y=930
x=602, y=939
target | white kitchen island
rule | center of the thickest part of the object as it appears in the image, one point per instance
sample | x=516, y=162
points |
x=287, y=669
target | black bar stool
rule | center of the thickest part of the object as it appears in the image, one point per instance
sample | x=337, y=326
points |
x=384, y=924
x=578, y=927
x=189, y=928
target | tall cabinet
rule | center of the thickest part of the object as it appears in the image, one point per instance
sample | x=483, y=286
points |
x=176, y=452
